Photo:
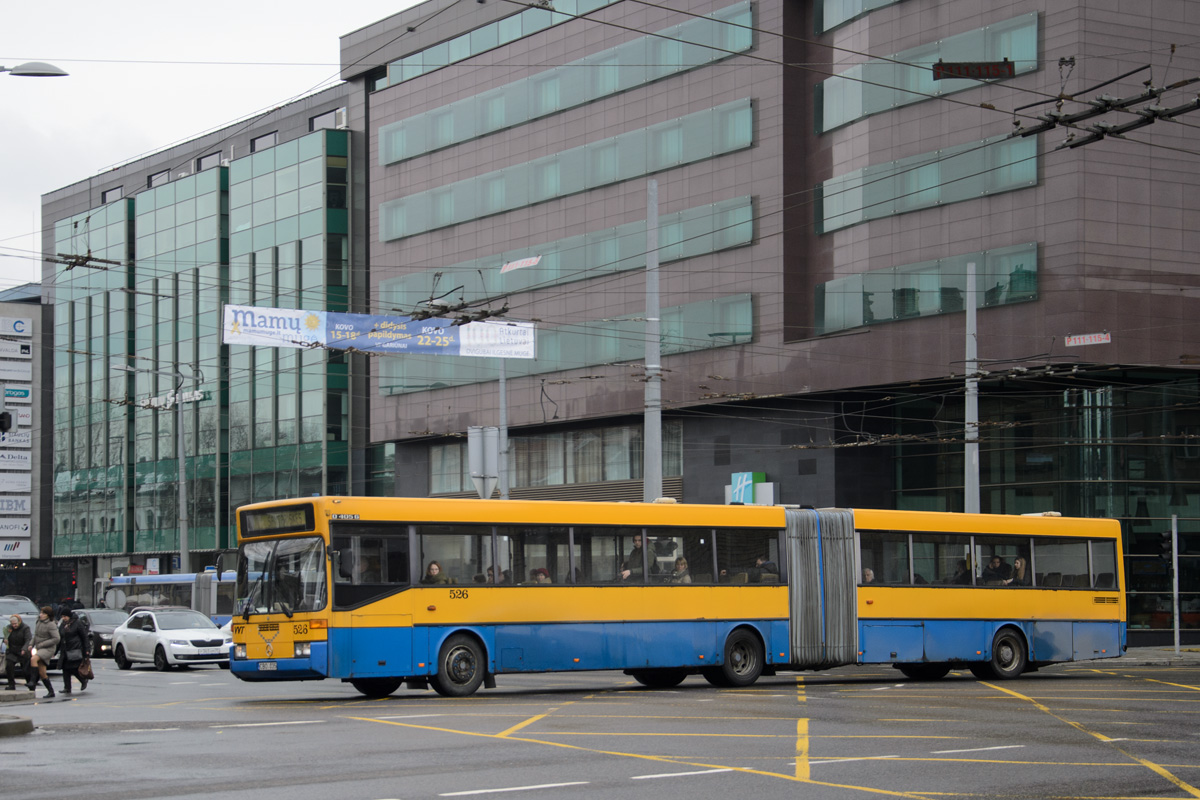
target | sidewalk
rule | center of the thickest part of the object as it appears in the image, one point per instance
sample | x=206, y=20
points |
x=1188, y=656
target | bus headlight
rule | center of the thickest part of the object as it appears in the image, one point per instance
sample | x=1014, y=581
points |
x=303, y=649
x=239, y=651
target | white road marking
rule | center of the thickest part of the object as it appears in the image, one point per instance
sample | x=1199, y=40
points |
x=978, y=749
x=844, y=760
x=269, y=724
x=513, y=789
x=413, y=716
x=678, y=774
x=149, y=730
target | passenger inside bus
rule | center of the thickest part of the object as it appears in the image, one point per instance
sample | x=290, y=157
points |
x=996, y=572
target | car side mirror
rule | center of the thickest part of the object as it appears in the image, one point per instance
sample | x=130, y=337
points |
x=148, y=627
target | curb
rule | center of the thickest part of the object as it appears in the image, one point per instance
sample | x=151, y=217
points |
x=15, y=726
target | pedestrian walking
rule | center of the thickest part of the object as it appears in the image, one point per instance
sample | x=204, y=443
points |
x=45, y=642
x=18, y=639
x=72, y=645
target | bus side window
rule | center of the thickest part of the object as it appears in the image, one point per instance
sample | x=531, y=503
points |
x=884, y=557
x=747, y=556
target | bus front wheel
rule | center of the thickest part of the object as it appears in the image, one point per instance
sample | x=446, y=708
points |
x=460, y=667
x=743, y=661
x=1008, y=654
x=376, y=687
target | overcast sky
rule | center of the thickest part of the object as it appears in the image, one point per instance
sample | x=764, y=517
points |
x=144, y=75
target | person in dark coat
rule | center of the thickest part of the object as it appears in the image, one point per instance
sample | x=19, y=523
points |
x=18, y=638
x=72, y=643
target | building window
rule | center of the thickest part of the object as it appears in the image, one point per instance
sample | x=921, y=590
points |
x=1004, y=276
x=110, y=195
x=905, y=78
x=208, y=162
x=327, y=120
x=568, y=86
x=264, y=141
x=158, y=179
x=949, y=175
x=719, y=130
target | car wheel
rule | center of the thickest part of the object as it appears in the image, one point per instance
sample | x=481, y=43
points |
x=119, y=657
x=743, y=659
x=377, y=687
x=460, y=667
x=658, y=678
x=160, y=659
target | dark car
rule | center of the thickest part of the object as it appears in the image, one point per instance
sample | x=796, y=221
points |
x=101, y=622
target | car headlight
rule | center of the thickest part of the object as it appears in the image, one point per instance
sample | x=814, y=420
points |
x=303, y=649
x=180, y=643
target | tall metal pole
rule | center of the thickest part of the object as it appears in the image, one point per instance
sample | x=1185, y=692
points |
x=652, y=437
x=971, y=409
x=184, y=560
x=502, y=468
x=1175, y=575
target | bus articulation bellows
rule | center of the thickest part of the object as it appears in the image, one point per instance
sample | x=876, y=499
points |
x=381, y=592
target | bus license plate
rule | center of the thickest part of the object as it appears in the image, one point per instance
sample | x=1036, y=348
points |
x=267, y=666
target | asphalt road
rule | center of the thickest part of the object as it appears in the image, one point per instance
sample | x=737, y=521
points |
x=1095, y=730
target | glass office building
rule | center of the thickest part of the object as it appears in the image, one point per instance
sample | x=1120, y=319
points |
x=141, y=320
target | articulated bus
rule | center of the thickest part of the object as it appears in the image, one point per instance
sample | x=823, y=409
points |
x=382, y=592
x=207, y=592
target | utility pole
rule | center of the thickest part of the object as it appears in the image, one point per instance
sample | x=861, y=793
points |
x=652, y=436
x=971, y=409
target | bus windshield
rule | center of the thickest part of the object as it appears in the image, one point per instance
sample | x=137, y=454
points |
x=282, y=575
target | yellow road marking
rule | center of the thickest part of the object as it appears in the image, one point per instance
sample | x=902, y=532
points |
x=1150, y=765
x=520, y=725
x=646, y=757
x=803, y=770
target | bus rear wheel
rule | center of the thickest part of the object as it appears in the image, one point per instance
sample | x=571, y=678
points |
x=924, y=672
x=376, y=687
x=658, y=678
x=1008, y=655
x=460, y=667
x=743, y=662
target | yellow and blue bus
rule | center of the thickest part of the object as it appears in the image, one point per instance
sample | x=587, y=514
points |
x=382, y=592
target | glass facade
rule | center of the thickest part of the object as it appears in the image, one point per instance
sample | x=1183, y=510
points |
x=267, y=424
x=487, y=37
x=907, y=76
x=555, y=459
x=691, y=232
x=1004, y=275
x=91, y=326
x=696, y=326
x=950, y=175
x=830, y=14
x=1117, y=446
x=695, y=137
x=673, y=50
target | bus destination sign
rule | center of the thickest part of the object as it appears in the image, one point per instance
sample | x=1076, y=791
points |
x=978, y=70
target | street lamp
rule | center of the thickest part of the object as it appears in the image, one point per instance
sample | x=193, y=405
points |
x=177, y=399
x=35, y=69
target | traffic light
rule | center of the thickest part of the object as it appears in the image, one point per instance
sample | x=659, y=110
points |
x=6, y=421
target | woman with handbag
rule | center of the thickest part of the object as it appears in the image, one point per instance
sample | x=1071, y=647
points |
x=72, y=651
x=45, y=642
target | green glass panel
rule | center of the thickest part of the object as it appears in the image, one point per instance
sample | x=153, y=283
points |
x=286, y=154
x=311, y=171
x=311, y=146
x=287, y=230
x=239, y=171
